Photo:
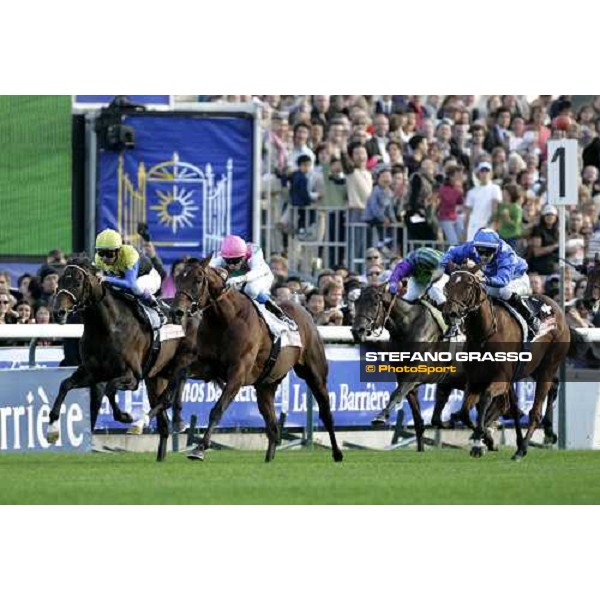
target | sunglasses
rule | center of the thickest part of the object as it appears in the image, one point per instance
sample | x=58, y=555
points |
x=373, y=257
x=233, y=261
x=4, y=302
x=374, y=273
x=485, y=251
x=107, y=253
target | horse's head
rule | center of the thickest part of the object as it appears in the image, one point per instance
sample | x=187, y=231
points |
x=464, y=294
x=592, y=289
x=77, y=288
x=370, y=310
x=197, y=285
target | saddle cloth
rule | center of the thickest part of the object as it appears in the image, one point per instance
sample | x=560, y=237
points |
x=436, y=314
x=279, y=329
x=539, y=309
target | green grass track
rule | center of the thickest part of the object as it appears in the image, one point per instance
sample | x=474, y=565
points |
x=302, y=477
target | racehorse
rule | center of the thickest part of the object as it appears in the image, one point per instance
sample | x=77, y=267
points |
x=490, y=328
x=234, y=347
x=409, y=323
x=115, y=347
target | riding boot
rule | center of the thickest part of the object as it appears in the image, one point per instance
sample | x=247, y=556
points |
x=532, y=321
x=150, y=301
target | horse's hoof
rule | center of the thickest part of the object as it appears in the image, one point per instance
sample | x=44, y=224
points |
x=53, y=437
x=180, y=427
x=379, y=421
x=124, y=418
x=517, y=457
x=196, y=454
x=53, y=433
x=476, y=452
x=338, y=456
x=550, y=440
x=137, y=429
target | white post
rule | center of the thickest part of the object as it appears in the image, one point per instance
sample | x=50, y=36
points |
x=562, y=392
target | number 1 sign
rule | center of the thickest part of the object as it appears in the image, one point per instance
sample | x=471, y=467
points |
x=562, y=172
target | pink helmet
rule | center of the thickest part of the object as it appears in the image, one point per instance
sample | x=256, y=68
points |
x=233, y=246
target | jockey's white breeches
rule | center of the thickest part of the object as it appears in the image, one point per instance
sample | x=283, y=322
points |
x=518, y=286
x=150, y=282
x=415, y=290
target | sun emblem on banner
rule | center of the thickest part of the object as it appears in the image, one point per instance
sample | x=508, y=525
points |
x=176, y=208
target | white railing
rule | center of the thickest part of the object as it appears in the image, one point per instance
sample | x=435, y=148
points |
x=330, y=335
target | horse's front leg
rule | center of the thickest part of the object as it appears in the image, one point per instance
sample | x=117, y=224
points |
x=80, y=379
x=235, y=378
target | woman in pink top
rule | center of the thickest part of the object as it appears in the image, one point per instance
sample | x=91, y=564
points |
x=451, y=196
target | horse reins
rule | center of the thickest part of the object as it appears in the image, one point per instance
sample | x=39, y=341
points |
x=69, y=293
x=470, y=309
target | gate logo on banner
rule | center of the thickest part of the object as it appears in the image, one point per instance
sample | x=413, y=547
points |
x=189, y=179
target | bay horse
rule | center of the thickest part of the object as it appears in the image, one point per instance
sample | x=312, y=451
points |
x=491, y=328
x=233, y=348
x=409, y=324
x=114, y=348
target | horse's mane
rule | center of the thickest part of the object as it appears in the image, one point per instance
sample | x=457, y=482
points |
x=83, y=260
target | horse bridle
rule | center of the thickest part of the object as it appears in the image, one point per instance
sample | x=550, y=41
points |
x=194, y=309
x=466, y=309
x=76, y=301
x=371, y=321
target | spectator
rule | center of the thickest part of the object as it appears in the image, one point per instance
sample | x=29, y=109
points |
x=379, y=213
x=324, y=278
x=544, y=243
x=451, y=197
x=418, y=151
x=7, y=314
x=421, y=209
x=359, y=184
x=300, y=146
x=168, y=288
x=279, y=267
x=578, y=316
x=499, y=134
x=536, y=283
x=301, y=196
x=49, y=283
x=482, y=201
x=281, y=293
x=509, y=216
x=377, y=145
x=24, y=312
x=474, y=149
x=575, y=244
x=23, y=287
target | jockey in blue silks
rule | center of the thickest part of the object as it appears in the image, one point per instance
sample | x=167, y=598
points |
x=505, y=273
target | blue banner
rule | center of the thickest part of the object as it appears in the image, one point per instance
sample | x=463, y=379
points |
x=26, y=398
x=189, y=178
x=354, y=403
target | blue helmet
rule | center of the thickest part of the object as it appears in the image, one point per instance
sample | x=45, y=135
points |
x=486, y=242
x=487, y=238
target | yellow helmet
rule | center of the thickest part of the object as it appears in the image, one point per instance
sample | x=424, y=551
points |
x=109, y=239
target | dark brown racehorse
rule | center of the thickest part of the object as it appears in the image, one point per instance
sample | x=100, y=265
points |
x=412, y=325
x=114, y=348
x=491, y=328
x=233, y=347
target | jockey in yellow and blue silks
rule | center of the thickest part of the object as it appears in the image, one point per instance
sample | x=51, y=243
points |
x=505, y=273
x=125, y=268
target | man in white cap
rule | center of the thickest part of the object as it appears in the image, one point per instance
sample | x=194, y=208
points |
x=482, y=201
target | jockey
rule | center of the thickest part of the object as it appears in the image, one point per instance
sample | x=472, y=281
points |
x=248, y=271
x=505, y=273
x=126, y=268
x=426, y=277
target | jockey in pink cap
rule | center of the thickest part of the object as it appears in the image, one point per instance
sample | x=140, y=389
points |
x=248, y=271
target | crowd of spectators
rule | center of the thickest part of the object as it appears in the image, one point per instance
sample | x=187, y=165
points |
x=420, y=168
